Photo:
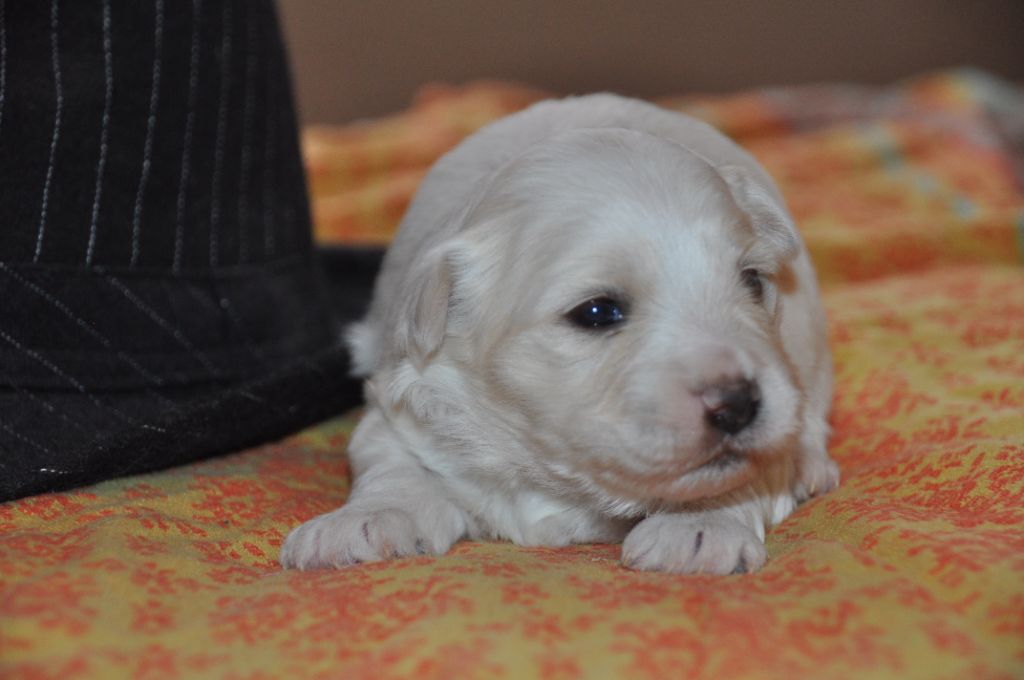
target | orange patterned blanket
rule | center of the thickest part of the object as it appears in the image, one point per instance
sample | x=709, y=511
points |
x=914, y=567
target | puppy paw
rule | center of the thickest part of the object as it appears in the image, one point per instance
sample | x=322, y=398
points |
x=816, y=477
x=351, y=536
x=693, y=544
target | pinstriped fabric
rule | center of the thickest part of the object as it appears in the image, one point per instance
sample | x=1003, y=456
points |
x=186, y=154
x=87, y=329
x=196, y=123
x=147, y=375
x=137, y=288
x=79, y=386
x=49, y=365
x=245, y=162
x=43, y=403
x=147, y=153
x=82, y=324
x=58, y=112
x=218, y=158
x=3, y=60
x=164, y=325
x=237, y=322
x=22, y=438
x=269, y=158
x=108, y=91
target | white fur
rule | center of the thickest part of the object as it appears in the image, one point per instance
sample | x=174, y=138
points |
x=491, y=416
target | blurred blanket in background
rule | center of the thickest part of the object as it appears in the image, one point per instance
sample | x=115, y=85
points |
x=910, y=201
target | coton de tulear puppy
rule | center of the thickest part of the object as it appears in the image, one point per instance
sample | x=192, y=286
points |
x=597, y=323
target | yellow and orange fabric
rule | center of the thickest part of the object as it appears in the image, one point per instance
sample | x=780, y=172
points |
x=910, y=205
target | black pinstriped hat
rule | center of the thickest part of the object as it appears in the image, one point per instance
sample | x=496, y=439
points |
x=160, y=297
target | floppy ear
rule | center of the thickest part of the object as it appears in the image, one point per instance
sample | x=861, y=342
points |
x=770, y=218
x=423, y=311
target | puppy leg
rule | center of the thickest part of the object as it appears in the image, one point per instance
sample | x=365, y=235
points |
x=816, y=472
x=700, y=542
x=396, y=508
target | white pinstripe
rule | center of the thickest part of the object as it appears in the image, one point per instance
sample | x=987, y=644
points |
x=186, y=156
x=81, y=323
x=108, y=93
x=268, y=164
x=96, y=335
x=246, y=161
x=55, y=139
x=28, y=441
x=74, y=383
x=164, y=325
x=32, y=396
x=42, y=360
x=218, y=148
x=252, y=348
x=253, y=398
x=147, y=151
x=224, y=305
x=3, y=60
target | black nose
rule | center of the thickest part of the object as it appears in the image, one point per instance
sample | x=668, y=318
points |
x=731, y=406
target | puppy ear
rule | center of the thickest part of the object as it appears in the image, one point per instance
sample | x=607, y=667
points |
x=770, y=218
x=423, y=312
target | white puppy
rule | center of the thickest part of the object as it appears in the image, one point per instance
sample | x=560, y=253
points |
x=596, y=323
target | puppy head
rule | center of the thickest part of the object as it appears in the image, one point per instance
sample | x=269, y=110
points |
x=612, y=299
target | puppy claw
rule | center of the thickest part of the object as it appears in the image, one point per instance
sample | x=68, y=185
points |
x=350, y=536
x=693, y=544
x=816, y=478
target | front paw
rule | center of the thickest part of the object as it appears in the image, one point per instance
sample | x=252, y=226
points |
x=350, y=536
x=816, y=476
x=693, y=544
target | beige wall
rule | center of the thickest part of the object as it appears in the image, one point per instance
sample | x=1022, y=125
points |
x=354, y=58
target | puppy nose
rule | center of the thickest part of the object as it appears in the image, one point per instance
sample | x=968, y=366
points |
x=731, y=406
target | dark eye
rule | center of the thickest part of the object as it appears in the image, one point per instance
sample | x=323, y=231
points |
x=597, y=313
x=752, y=280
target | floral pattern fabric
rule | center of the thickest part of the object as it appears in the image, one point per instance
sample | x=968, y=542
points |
x=913, y=568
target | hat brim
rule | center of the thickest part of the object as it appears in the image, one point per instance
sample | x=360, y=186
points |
x=68, y=438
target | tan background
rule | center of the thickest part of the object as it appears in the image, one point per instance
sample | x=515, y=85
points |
x=355, y=58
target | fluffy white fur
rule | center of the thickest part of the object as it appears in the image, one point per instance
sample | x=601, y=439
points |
x=491, y=416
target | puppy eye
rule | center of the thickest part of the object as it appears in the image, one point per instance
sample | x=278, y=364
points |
x=752, y=280
x=597, y=313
